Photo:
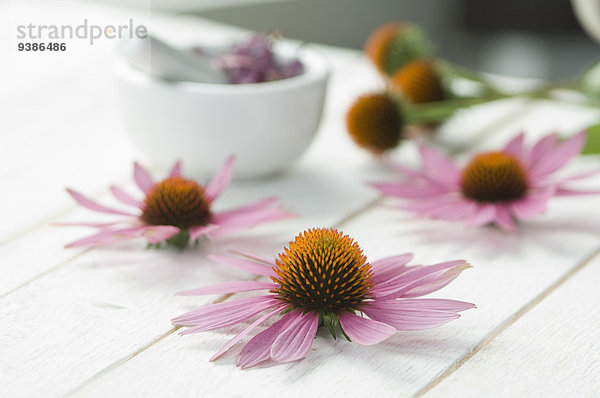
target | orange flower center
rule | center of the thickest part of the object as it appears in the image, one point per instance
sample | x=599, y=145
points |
x=176, y=201
x=323, y=271
x=494, y=177
x=375, y=123
x=419, y=82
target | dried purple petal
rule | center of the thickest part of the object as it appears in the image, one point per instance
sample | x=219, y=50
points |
x=254, y=61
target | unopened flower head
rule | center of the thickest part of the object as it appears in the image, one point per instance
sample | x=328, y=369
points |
x=375, y=122
x=393, y=45
x=419, y=82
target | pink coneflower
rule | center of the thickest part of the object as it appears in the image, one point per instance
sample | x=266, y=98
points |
x=494, y=187
x=175, y=210
x=323, y=279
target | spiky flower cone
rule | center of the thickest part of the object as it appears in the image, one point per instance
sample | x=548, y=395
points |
x=375, y=122
x=419, y=82
x=392, y=45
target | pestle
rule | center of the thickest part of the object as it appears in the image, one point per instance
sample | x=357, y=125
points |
x=156, y=57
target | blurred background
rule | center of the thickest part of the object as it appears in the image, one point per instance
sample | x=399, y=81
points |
x=525, y=38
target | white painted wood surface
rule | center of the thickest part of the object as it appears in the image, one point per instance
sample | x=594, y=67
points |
x=551, y=351
x=96, y=322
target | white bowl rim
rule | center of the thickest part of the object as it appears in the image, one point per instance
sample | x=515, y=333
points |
x=315, y=65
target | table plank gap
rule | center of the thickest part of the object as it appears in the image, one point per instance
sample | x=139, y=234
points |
x=344, y=219
x=48, y=271
x=220, y=299
x=121, y=361
x=508, y=323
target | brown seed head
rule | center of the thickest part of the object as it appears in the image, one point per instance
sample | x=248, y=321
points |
x=176, y=201
x=419, y=82
x=324, y=271
x=375, y=123
x=494, y=177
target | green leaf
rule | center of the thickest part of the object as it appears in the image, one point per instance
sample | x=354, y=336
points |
x=592, y=145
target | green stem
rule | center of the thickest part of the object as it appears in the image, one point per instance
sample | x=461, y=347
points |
x=543, y=91
x=437, y=112
x=453, y=71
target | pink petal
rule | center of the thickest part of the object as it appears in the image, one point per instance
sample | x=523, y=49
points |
x=229, y=313
x=406, y=171
x=439, y=167
x=176, y=169
x=428, y=207
x=220, y=180
x=258, y=349
x=437, y=304
x=124, y=197
x=154, y=234
x=542, y=148
x=295, y=341
x=92, y=205
x=142, y=178
x=243, y=333
x=433, y=282
x=365, y=331
x=574, y=192
x=246, y=265
x=420, y=280
x=104, y=238
x=485, y=214
x=515, y=147
x=263, y=260
x=580, y=176
x=229, y=287
x=533, y=205
x=389, y=267
x=416, y=176
x=558, y=157
x=196, y=232
x=415, y=314
x=504, y=218
x=454, y=211
x=226, y=216
x=87, y=224
x=251, y=215
x=410, y=191
x=159, y=233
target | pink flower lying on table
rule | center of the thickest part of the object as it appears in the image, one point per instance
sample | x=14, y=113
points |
x=494, y=187
x=175, y=210
x=323, y=279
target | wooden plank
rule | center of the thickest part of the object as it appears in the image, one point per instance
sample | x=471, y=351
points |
x=318, y=194
x=130, y=284
x=334, y=191
x=90, y=315
x=89, y=136
x=76, y=315
x=509, y=271
x=546, y=117
x=63, y=316
x=552, y=351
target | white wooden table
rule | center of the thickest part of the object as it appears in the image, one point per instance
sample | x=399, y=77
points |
x=96, y=322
